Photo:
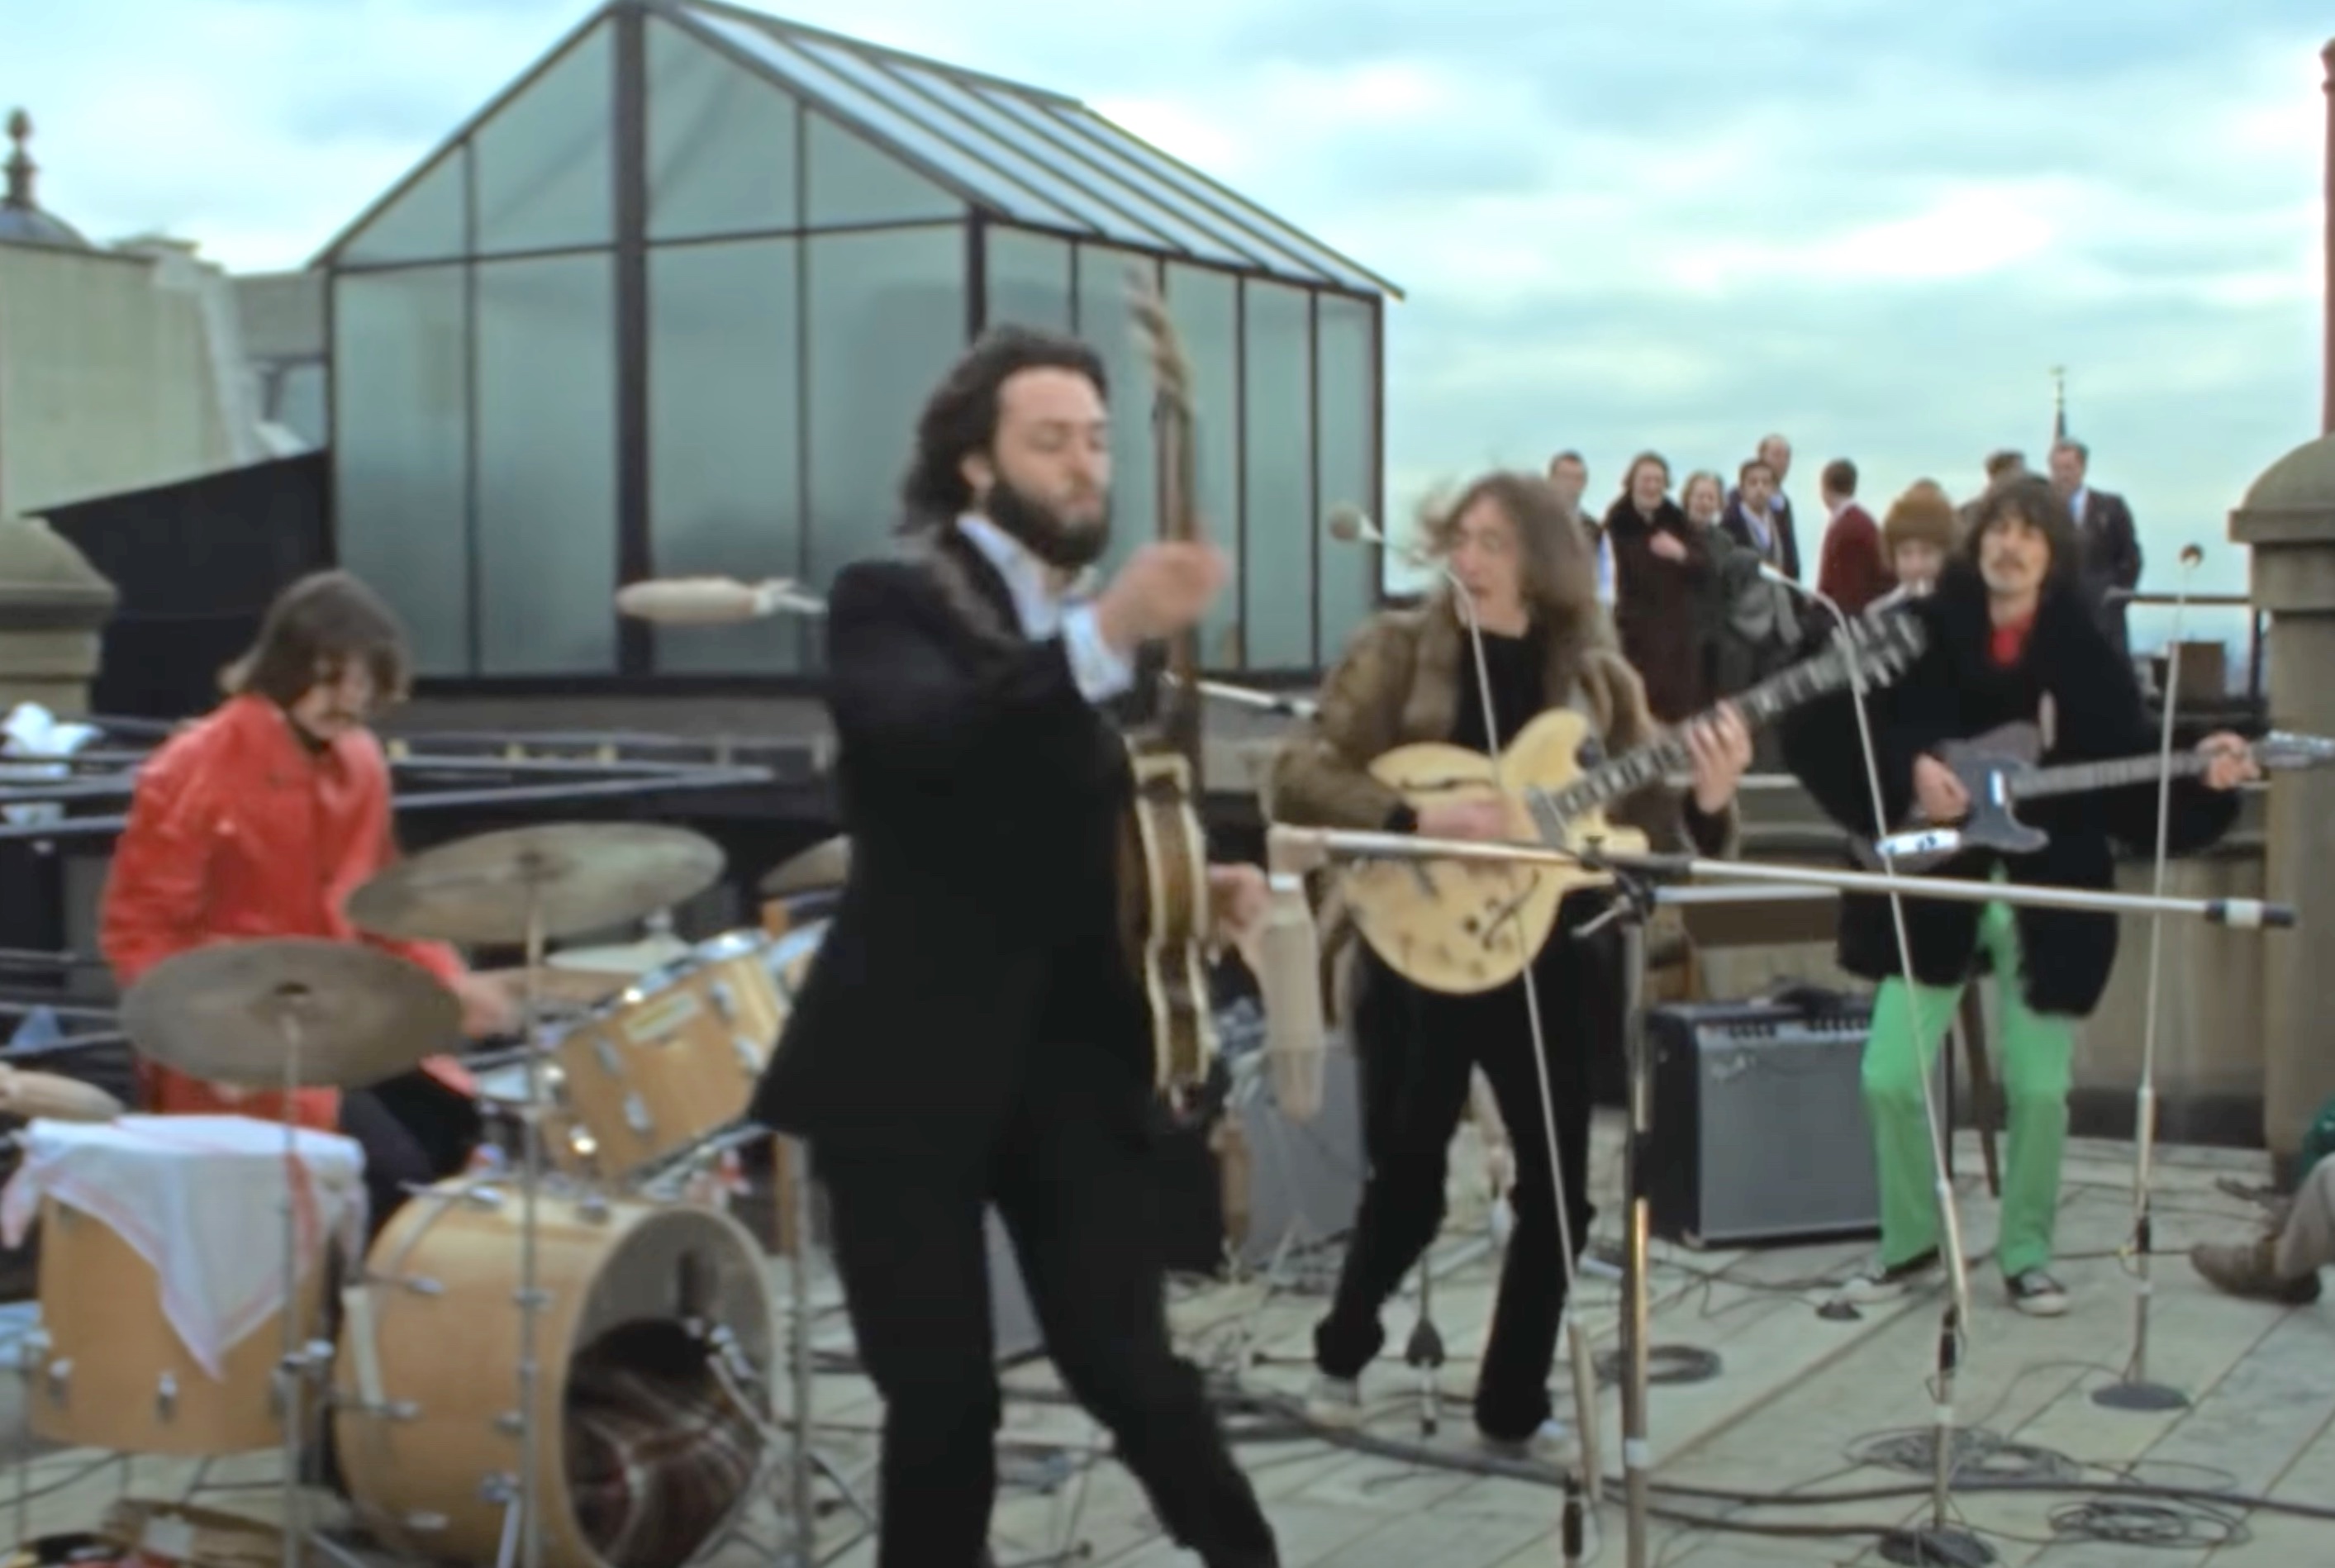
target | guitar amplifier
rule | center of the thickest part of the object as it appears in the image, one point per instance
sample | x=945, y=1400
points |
x=1760, y=1133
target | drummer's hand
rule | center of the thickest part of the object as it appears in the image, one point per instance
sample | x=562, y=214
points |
x=1237, y=898
x=487, y=1006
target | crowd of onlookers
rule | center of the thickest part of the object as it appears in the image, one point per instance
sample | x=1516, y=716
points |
x=1692, y=569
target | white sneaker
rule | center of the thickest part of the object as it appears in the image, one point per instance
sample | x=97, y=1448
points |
x=1875, y=1283
x=1334, y=1402
x=1554, y=1445
x=2038, y=1294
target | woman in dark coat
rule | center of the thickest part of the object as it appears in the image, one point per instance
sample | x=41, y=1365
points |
x=1661, y=564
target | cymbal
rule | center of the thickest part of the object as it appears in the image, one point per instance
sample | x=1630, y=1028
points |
x=220, y=1013
x=584, y=876
x=51, y=1097
x=825, y=865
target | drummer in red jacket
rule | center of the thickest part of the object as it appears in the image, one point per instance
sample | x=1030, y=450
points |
x=259, y=821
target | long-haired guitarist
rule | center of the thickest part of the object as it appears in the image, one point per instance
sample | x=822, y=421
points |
x=971, y=1032
x=1408, y=676
x=2011, y=641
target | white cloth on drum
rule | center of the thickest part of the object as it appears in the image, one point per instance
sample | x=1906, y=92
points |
x=201, y=1199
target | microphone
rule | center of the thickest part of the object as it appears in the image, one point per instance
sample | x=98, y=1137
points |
x=713, y=601
x=1350, y=525
x=1289, y=976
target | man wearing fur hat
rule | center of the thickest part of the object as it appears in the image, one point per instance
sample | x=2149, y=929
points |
x=1514, y=549
x=1916, y=537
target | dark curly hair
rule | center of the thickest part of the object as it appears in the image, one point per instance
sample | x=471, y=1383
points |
x=2034, y=502
x=961, y=416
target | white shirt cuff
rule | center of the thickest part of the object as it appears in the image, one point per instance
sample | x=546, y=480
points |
x=1098, y=668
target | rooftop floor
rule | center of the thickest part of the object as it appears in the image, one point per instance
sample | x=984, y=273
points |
x=1792, y=1398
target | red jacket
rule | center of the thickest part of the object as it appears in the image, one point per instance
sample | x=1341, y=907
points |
x=1852, y=570
x=238, y=831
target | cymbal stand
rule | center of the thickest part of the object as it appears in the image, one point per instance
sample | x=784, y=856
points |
x=526, y=1495
x=291, y=1372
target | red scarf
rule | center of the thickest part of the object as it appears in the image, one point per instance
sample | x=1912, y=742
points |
x=2008, y=642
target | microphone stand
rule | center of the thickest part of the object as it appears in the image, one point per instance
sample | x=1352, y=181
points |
x=1309, y=848
x=1940, y=1541
x=2134, y=1391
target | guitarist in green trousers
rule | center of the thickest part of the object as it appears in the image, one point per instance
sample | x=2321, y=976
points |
x=2011, y=641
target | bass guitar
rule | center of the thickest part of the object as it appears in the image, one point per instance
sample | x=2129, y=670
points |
x=1999, y=769
x=1467, y=926
x=1166, y=917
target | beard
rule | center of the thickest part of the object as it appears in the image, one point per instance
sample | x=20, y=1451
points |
x=1065, y=546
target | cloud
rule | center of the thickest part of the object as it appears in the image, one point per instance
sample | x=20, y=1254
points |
x=1673, y=223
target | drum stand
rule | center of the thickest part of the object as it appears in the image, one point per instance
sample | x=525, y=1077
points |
x=292, y=1372
x=525, y=1501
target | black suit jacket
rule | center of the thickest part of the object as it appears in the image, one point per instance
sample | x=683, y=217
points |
x=2111, y=559
x=1954, y=690
x=977, y=939
x=1786, y=558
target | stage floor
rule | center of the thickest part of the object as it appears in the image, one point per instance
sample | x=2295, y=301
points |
x=1793, y=1394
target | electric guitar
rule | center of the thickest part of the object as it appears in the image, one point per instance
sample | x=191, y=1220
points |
x=1467, y=926
x=1997, y=769
x=1167, y=915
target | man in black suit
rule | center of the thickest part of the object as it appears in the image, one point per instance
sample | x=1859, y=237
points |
x=972, y=1031
x=2111, y=547
x=1758, y=515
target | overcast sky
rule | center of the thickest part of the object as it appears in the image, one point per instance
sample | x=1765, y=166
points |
x=1873, y=225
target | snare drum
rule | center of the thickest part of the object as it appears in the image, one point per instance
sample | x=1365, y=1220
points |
x=161, y=1335
x=643, y=1454
x=666, y=1063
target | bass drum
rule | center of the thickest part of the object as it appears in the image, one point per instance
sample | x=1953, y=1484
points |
x=654, y=1343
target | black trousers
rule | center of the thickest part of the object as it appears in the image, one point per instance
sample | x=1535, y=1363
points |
x=1416, y=1050
x=1076, y=1194
x=415, y=1131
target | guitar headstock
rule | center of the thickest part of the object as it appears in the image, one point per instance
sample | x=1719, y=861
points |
x=2280, y=751
x=1171, y=368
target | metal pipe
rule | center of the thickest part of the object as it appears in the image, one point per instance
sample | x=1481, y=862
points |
x=703, y=779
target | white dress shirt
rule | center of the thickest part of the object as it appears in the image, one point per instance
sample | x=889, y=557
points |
x=1100, y=671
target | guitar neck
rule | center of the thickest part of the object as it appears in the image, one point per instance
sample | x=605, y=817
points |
x=2079, y=777
x=1668, y=753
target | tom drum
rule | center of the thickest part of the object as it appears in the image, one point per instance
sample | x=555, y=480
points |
x=666, y=1063
x=162, y=1278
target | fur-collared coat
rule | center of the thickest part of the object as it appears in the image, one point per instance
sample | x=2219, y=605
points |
x=1954, y=692
x=1399, y=683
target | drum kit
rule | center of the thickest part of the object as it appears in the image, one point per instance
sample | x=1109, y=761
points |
x=504, y=1373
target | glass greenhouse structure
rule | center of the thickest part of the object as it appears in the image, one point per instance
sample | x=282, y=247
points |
x=668, y=307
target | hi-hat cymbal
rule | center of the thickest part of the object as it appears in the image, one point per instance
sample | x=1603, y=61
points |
x=825, y=865
x=584, y=876
x=361, y=1015
x=50, y=1096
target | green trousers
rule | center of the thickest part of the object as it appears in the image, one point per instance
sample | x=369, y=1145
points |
x=2034, y=1057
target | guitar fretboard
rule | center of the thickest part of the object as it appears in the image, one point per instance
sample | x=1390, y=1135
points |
x=2076, y=777
x=1668, y=752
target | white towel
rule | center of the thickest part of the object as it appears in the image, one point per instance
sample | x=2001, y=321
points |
x=201, y=1199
